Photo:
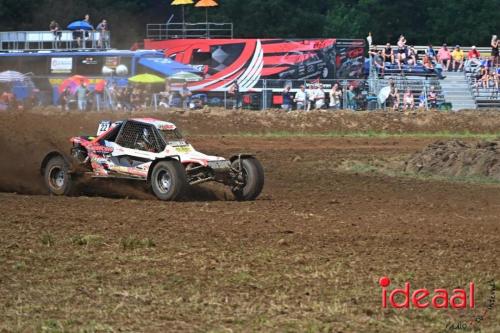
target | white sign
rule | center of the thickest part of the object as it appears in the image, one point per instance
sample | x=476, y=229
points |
x=61, y=65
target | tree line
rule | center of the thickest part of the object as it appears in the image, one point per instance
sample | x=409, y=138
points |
x=422, y=22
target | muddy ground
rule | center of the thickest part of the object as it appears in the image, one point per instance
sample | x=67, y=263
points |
x=305, y=257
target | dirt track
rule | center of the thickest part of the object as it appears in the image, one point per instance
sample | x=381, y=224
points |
x=304, y=257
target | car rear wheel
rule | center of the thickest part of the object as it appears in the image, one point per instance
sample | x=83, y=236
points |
x=168, y=180
x=251, y=177
x=57, y=176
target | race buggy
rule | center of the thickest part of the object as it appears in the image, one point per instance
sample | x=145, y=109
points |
x=152, y=151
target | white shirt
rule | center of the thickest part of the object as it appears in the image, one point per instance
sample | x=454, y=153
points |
x=300, y=96
x=319, y=94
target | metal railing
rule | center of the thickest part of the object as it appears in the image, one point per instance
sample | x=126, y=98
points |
x=47, y=40
x=189, y=30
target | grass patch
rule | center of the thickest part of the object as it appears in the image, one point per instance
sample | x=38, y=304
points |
x=133, y=243
x=47, y=239
x=86, y=240
x=372, y=134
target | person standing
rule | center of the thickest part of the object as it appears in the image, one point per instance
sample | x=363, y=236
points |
x=185, y=96
x=81, y=94
x=87, y=34
x=319, y=97
x=335, y=96
x=103, y=30
x=234, y=92
x=287, y=99
x=494, y=50
x=56, y=30
x=301, y=98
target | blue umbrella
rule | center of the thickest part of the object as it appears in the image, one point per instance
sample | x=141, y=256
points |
x=80, y=25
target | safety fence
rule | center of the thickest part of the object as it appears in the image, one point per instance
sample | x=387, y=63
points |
x=105, y=94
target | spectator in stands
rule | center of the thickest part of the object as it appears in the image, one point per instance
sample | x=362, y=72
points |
x=103, y=30
x=431, y=53
x=335, y=96
x=458, y=59
x=444, y=57
x=287, y=99
x=301, y=98
x=82, y=93
x=402, y=51
x=319, y=97
x=186, y=95
x=494, y=51
x=473, y=60
x=166, y=96
x=429, y=67
x=56, y=30
x=408, y=100
x=234, y=94
x=412, y=56
x=377, y=60
x=481, y=79
x=369, y=39
x=432, y=98
x=388, y=53
x=393, y=99
x=473, y=53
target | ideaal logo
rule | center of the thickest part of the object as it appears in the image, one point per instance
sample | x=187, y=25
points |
x=441, y=298
x=423, y=298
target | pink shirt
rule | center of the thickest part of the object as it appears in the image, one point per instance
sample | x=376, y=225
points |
x=444, y=54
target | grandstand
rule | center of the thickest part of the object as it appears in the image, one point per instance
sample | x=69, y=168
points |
x=485, y=97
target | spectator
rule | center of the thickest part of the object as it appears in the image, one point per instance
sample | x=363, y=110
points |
x=287, y=99
x=103, y=30
x=166, y=96
x=458, y=59
x=473, y=53
x=86, y=34
x=408, y=100
x=432, y=98
x=412, y=56
x=369, y=39
x=388, y=53
x=56, y=30
x=429, y=67
x=494, y=51
x=444, y=57
x=335, y=96
x=82, y=94
x=430, y=52
x=301, y=98
x=234, y=94
x=377, y=61
x=393, y=99
x=422, y=101
x=64, y=99
x=186, y=95
x=351, y=98
x=319, y=97
x=402, y=51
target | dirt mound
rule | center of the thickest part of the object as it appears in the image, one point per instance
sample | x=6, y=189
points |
x=457, y=158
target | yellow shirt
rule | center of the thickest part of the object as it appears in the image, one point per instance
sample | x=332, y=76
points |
x=457, y=55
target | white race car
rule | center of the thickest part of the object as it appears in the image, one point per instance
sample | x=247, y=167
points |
x=153, y=151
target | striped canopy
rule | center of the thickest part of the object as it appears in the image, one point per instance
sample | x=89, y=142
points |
x=11, y=76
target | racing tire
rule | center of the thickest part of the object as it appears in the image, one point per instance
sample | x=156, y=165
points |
x=252, y=175
x=168, y=180
x=57, y=176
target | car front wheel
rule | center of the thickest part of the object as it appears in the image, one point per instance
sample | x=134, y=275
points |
x=168, y=180
x=250, y=177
